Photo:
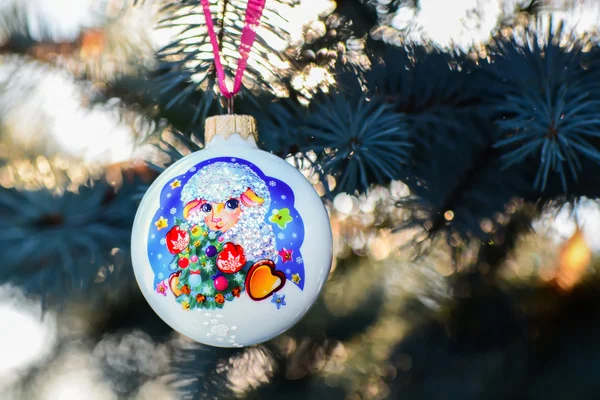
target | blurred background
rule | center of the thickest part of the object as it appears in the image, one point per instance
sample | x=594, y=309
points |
x=466, y=251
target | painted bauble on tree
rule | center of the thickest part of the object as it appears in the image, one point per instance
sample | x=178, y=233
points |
x=231, y=259
x=221, y=283
x=183, y=262
x=211, y=251
x=177, y=240
x=255, y=235
x=195, y=279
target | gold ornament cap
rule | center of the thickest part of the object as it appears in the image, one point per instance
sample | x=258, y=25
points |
x=227, y=125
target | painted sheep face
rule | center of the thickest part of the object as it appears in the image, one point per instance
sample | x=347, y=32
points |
x=222, y=216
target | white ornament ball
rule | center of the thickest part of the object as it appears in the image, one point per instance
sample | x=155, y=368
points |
x=246, y=220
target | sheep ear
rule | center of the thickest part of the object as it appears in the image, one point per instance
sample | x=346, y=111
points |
x=192, y=207
x=250, y=199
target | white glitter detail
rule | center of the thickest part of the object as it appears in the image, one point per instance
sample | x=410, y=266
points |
x=168, y=195
x=208, y=289
x=294, y=235
x=159, y=256
x=193, y=169
x=239, y=278
x=173, y=210
x=233, y=160
x=221, y=181
x=219, y=330
x=163, y=241
x=299, y=260
x=283, y=197
x=280, y=236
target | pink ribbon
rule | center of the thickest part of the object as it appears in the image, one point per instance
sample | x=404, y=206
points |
x=254, y=11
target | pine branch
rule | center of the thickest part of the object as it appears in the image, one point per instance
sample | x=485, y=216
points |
x=357, y=142
x=60, y=246
x=547, y=106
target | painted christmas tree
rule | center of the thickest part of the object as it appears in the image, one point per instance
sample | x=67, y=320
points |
x=208, y=272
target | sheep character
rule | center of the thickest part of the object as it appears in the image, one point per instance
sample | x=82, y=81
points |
x=233, y=199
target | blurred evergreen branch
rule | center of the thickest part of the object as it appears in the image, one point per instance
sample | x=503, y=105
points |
x=62, y=245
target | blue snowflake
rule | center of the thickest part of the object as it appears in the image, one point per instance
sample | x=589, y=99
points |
x=299, y=260
x=233, y=160
x=159, y=256
x=163, y=241
x=193, y=169
x=283, y=197
x=152, y=236
x=272, y=183
x=288, y=271
x=212, y=235
x=161, y=276
x=168, y=195
x=278, y=300
x=173, y=211
x=294, y=235
x=280, y=236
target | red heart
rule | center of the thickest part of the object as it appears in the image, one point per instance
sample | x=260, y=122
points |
x=231, y=259
x=177, y=240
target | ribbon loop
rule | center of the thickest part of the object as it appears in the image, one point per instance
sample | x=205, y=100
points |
x=254, y=11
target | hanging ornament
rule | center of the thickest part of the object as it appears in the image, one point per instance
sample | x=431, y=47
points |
x=231, y=259
x=183, y=262
x=259, y=229
x=195, y=279
x=177, y=240
x=221, y=283
x=256, y=232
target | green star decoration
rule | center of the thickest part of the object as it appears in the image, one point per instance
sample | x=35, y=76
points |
x=281, y=217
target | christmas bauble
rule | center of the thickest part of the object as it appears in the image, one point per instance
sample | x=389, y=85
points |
x=211, y=251
x=183, y=262
x=221, y=283
x=177, y=240
x=249, y=223
x=231, y=259
x=195, y=280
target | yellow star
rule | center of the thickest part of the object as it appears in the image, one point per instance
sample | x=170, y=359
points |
x=161, y=223
x=296, y=278
x=175, y=184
